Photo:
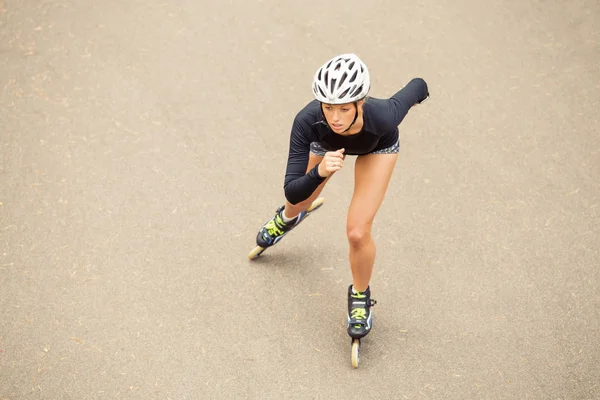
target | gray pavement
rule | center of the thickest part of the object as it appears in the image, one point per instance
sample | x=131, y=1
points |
x=143, y=143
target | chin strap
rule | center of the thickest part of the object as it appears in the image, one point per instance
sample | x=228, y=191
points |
x=355, y=117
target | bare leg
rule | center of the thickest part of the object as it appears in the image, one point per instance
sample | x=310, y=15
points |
x=372, y=174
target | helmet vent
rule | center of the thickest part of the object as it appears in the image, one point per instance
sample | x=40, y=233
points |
x=344, y=93
x=353, y=78
x=343, y=78
x=357, y=91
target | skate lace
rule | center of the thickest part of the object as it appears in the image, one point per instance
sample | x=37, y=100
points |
x=274, y=227
x=358, y=313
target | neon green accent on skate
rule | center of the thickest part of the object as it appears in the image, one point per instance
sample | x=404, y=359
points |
x=359, y=313
x=273, y=228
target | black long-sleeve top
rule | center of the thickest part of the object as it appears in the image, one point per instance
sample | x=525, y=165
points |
x=381, y=118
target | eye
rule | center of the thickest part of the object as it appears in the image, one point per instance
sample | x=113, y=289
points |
x=345, y=109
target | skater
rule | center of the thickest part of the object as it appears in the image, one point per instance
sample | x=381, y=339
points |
x=343, y=121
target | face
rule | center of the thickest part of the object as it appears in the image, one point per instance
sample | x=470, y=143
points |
x=340, y=116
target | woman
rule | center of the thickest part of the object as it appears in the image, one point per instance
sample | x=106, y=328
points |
x=343, y=121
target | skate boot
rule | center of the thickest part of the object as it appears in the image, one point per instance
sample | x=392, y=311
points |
x=359, y=313
x=274, y=230
x=359, y=320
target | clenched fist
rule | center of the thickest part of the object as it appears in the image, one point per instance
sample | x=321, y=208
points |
x=332, y=161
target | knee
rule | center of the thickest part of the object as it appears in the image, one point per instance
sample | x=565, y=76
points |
x=358, y=236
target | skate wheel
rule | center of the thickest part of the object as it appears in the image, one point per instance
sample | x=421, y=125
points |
x=355, y=352
x=316, y=204
x=257, y=251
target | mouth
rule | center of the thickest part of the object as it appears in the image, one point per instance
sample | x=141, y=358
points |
x=337, y=126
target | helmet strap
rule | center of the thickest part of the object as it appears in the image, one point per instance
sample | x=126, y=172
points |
x=355, y=117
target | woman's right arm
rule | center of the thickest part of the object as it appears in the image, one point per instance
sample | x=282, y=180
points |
x=299, y=185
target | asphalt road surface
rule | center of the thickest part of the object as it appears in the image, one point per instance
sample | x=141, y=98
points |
x=143, y=144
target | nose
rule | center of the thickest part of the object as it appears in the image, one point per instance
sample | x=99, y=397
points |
x=336, y=115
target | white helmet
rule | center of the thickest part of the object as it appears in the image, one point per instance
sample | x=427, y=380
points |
x=343, y=79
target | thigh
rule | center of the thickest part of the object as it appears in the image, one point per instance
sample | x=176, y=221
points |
x=372, y=174
x=313, y=159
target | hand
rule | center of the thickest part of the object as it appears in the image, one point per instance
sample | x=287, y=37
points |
x=332, y=161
